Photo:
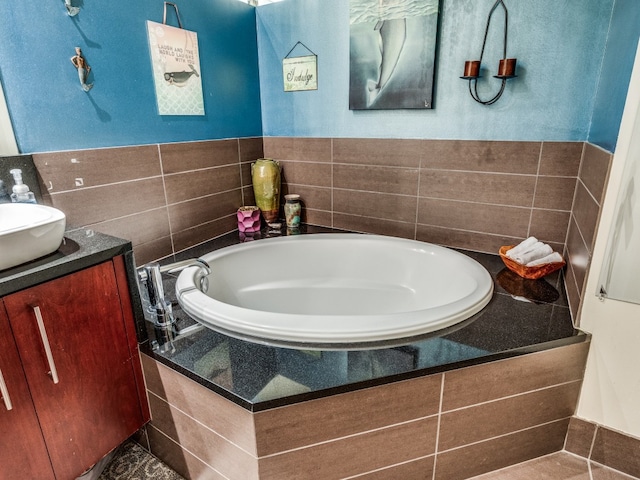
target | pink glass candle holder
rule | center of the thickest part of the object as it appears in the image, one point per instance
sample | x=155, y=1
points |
x=249, y=219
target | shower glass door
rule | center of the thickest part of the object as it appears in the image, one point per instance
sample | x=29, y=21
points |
x=621, y=268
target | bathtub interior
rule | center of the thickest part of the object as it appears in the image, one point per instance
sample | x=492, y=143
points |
x=259, y=376
x=352, y=277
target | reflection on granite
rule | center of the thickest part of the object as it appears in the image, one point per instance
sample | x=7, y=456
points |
x=258, y=377
x=536, y=291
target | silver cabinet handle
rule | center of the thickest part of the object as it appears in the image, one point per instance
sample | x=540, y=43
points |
x=5, y=393
x=47, y=348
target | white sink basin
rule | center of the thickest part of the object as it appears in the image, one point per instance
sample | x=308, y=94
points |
x=28, y=231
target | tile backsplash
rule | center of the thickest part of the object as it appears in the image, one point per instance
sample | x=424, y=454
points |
x=476, y=195
x=164, y=198
x=470, y=194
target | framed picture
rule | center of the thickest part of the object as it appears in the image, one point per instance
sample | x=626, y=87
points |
x=392, y=53
x=300, y=73
x=176, y=69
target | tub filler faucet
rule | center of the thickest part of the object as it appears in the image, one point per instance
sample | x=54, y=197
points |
x=157, y=308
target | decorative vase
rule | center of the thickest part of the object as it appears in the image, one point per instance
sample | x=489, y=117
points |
x=292, y=210
x=265, y=176
x=249, y=219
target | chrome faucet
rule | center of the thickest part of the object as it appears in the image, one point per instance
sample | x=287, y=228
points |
x=158, y=308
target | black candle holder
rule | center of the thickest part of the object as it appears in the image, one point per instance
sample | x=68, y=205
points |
x=506, y=68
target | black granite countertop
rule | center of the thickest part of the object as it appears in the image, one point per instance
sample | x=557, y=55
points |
x=523, y=316
x=80, y=249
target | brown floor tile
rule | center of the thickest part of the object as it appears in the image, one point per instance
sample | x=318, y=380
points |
x=617, y=451
x=557, y=466
x=598, y=472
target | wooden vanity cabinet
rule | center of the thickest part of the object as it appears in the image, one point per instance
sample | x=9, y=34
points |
x=79, y=361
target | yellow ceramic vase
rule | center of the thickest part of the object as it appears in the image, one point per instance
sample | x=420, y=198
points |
x=265, y=176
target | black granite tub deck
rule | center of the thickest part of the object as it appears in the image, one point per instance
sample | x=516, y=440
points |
x=522, y=317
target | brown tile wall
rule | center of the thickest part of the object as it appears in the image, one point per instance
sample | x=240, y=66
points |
x=604, y=447
x=164, y=198
x=471, y=194
x=589, y=194
x=196, y=432
x=457, y=424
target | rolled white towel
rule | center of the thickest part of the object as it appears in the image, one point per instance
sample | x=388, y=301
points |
x=521, y=247
x=534, y=254
x=554, y=257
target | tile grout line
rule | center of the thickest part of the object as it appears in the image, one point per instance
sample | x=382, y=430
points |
x=435, y=453
x=382, y=469
x=535, y=189
x=507, y=434
x=240, y=172
x=415, y=226
x=166, y=201
x=332, y=204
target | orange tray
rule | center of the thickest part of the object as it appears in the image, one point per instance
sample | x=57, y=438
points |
x=532, y=273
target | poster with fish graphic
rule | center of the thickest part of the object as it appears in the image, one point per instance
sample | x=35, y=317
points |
x=392, y=53
x=176, y=70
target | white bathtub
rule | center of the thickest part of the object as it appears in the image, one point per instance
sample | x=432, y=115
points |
x=334, y=289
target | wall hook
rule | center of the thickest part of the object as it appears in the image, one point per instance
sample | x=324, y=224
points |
x=71, y=10
x=83, y=69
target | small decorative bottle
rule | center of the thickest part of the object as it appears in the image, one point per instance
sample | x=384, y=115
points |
x=292, y=210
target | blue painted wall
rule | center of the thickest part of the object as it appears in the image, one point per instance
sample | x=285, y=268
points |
x=50, y=112
x=561, y=48
x=622, y=43
x=559, y=45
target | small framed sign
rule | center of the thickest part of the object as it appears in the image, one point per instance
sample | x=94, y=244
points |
x=300, y=73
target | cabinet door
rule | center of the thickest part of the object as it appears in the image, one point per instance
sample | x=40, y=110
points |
x=78, y=366
x=22, y=450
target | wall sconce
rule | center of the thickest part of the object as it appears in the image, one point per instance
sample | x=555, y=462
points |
x=506, y=68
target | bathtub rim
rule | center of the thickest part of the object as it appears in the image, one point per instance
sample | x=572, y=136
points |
x=414, y=326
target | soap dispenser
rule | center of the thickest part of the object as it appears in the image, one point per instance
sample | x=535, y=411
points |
x=21, y=192
x=4, y=196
